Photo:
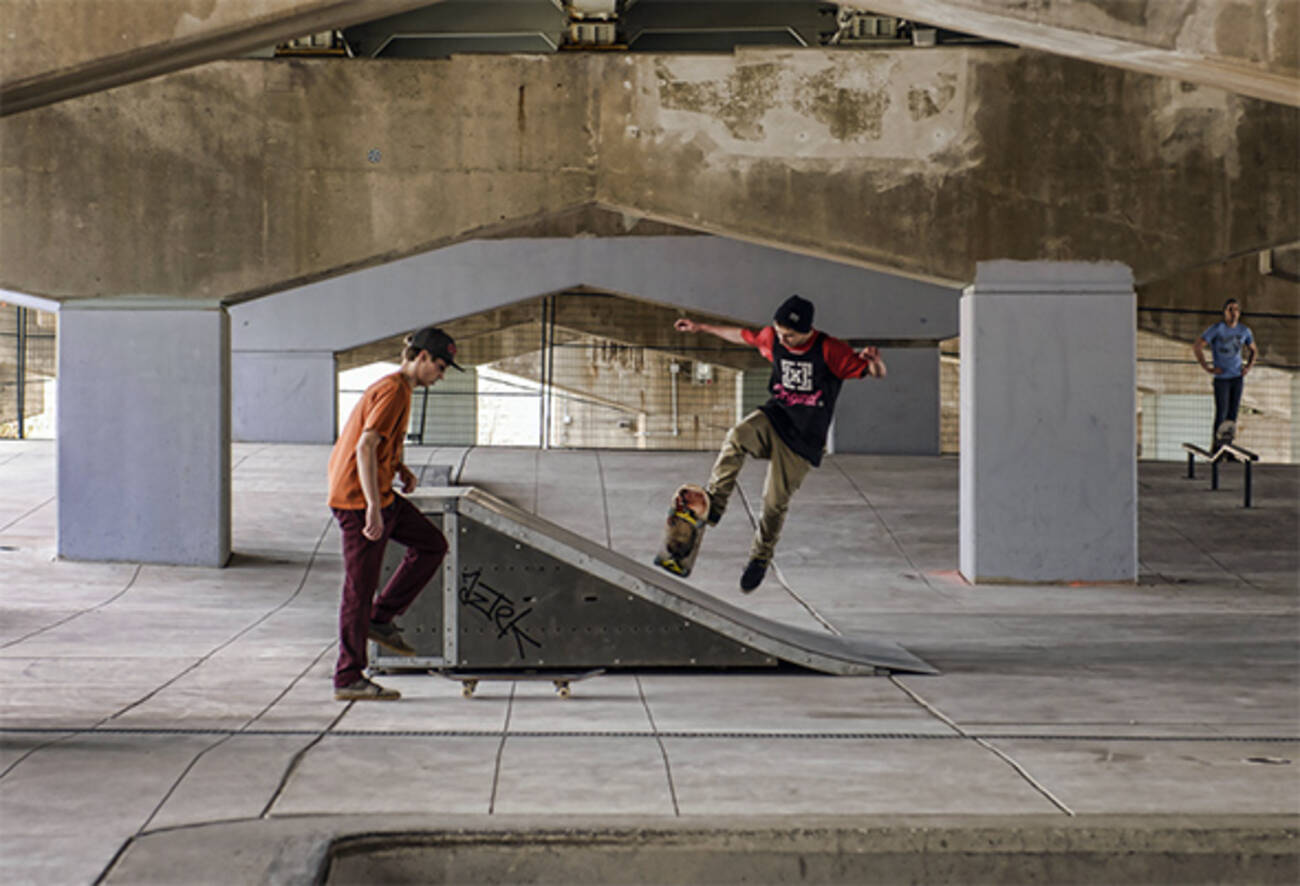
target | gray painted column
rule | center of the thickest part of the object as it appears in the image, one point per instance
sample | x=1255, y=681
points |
x=896, y=415
x=283, y=396
x=144, y=431
x=1048, y=423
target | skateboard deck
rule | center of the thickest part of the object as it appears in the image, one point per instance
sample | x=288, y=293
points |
x=1224, y=433
x=684, y=530
x=469, y=680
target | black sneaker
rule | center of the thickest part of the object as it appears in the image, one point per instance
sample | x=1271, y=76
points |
x=753, y=575
x=389, y=636
x=364, y=690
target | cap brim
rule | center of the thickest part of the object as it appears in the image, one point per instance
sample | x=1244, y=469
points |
x=455, y=364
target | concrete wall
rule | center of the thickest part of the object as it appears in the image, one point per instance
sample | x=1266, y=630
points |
x=1252, y=47
x=42, y=37
x=898, y=415
x=144, y=433
x=240, y=178
x=280, y=397
x=711, y=274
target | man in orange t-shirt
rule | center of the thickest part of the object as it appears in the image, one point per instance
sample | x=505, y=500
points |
x=363, y=464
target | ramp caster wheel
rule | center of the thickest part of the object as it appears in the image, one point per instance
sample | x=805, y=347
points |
x=467, y=688
x=562, y=688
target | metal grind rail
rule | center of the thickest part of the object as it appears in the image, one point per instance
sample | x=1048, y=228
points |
x=1225, y=452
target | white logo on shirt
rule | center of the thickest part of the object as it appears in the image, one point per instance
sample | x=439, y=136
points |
x=796, y=376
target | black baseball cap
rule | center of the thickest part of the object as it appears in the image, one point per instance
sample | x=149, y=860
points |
x=795, y=313
x=437, y=343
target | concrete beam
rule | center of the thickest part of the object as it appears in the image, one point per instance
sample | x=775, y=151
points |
x=1249, y=48
x=57, y=51
x=482, y=292
x=243, y=178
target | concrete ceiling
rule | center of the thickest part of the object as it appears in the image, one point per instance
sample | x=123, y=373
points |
x=246, y=177
x=54, y=50
x=58, y=49
x=1249, y=48
x=238, y=178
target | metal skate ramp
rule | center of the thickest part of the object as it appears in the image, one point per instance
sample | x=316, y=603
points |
x=518, y=591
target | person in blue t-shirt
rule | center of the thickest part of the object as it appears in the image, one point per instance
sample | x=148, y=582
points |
x=1232, y=347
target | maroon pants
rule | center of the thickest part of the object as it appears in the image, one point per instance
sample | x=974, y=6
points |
x=363, y=560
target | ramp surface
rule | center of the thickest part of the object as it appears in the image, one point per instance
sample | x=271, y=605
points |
x=493, y=536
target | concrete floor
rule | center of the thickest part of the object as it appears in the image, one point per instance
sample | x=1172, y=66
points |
x=141, y=703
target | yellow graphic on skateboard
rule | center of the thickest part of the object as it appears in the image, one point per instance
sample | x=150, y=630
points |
x=685, y=529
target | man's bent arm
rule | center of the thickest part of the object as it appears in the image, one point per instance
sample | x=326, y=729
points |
x=1199, y=349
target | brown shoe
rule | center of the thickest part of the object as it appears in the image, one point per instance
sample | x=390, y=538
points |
x=365, y=690
x=389, y=636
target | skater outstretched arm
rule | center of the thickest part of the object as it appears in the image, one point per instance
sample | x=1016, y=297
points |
x=733, y=334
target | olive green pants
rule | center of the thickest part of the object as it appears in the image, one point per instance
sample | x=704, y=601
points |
x=755, y=437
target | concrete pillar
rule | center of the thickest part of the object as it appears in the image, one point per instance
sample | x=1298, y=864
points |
x=1048, y=423
x=898, y=415
x=283, y=396
x=144, y=431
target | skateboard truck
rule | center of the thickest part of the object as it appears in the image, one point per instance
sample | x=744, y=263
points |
x=469, y=680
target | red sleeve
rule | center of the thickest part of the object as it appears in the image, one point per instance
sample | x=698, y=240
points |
x=842, y=360
x=763, y=340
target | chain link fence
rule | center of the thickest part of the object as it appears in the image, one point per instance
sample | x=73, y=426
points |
x=580, y=370
x=27, y=372
x=1175, y=396
x=585, y=369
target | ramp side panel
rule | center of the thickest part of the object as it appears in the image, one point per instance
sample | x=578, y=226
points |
x=861, y=654
x=521, y=606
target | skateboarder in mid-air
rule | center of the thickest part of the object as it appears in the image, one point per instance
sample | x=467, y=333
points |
x=808, y=367
x=363, y=464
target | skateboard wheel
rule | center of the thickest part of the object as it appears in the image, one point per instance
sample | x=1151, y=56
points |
x=562, y=688
x=467, y=688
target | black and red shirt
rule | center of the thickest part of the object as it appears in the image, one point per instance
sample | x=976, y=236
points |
x=804, y=386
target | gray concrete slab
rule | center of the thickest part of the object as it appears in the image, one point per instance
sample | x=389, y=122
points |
x=1154, y=777
x=754, y=704
x=853, y=777
x=564, y=776
x=141, y=705
x=383, y=775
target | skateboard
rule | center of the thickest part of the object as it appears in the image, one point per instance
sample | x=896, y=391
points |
x=685, y=529
x=1224, y=434
x=469, y=680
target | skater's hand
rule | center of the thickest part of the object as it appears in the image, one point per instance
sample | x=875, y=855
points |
x=685, y=324
x=875, y=364
x=1214, y=370
x=408, y=478
x=374, y=529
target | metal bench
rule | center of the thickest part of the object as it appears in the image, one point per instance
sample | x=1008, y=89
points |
x=1224, y=453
